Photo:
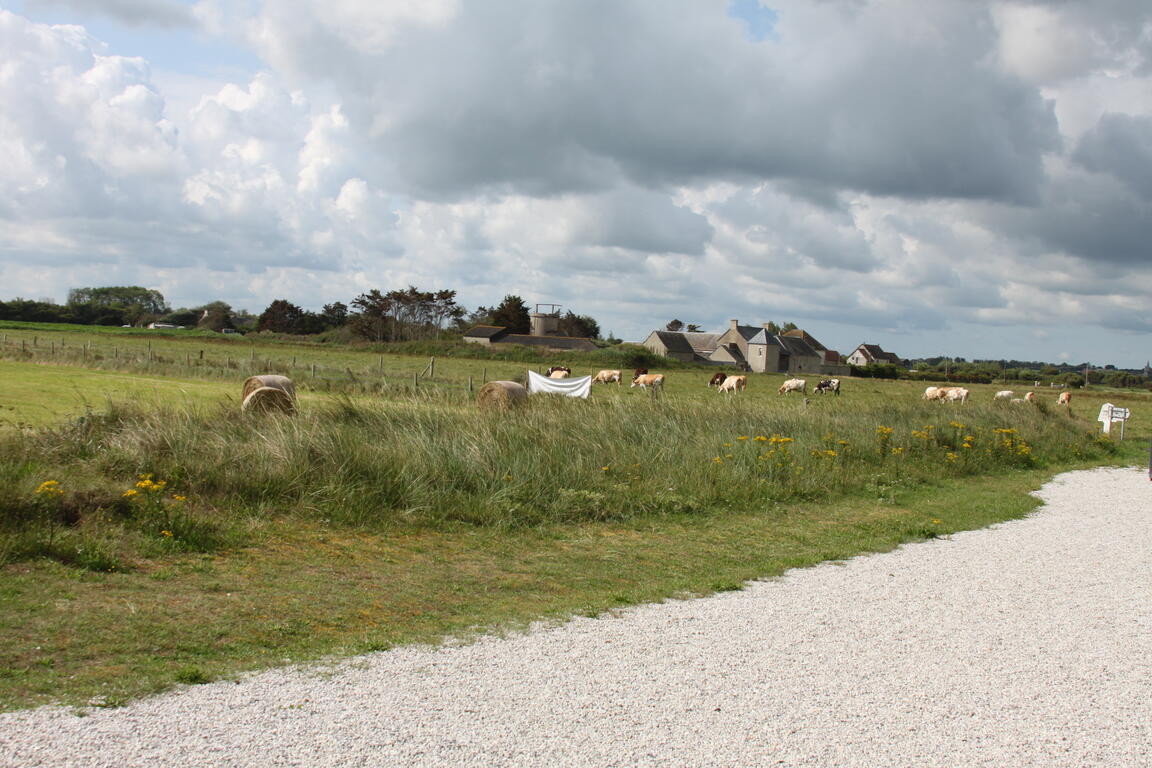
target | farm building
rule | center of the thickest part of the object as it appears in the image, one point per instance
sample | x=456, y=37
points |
x=683, y=346
x=545, y=333
x=867, y=354
x=750, y=348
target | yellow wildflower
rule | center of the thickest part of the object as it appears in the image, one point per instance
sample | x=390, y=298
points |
x=49, y=488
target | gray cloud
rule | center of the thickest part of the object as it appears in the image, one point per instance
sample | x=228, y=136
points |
x=156, y=13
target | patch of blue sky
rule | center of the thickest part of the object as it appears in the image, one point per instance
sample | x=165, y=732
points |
x=759, y=20
x=181, y=48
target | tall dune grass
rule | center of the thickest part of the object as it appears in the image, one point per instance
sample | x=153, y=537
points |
x=428, y=461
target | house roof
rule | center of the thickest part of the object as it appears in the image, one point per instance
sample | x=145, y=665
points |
x=485, y=331
x=802, y=334
x=874, y=353
x=749, y=331
x=703, y=344
x=551, y=342
x=764, y=338
x=797, y=346
x=675, y=341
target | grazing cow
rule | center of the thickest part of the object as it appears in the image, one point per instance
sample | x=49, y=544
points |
x=1004, y=394
x=1030, y=396
x=561, y=374
x=551, y=373
x=733, y=384
x=953, y=394
x=639, y=372
x=827, y=385
x=1064, y=399
x=717, y=379
x=607, y=377
x=933, y=393
x=646, y=380
x=794, y=385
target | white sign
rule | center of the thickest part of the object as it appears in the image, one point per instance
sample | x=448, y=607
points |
x=1110, y=414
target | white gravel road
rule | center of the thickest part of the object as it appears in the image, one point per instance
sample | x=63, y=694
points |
x=1026, y=644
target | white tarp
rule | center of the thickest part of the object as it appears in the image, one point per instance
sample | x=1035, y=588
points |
x=581, y=386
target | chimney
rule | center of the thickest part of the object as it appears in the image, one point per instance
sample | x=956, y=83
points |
x=733, y=324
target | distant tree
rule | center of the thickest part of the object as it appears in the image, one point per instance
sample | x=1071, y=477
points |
x=120, y=296
x=479, y=316
x=215, y=316
x=675, y=326
x=116, y=304
x=580, y=326
x=788, y=327
x=335, y=314
x=182, y=316
x=282, y=316
x=692, y=328
x=403, y=315
x=772, y=328
x=512, y=313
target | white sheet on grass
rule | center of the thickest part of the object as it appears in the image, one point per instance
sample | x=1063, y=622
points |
x=581, y=386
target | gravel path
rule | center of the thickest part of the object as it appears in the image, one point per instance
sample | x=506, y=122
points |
x=1026, y=644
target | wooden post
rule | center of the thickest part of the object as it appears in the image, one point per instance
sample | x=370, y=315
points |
x=53, y=347
x=469, y=384
x=293, y=361
x=201, y=354
x=484, y=375
x=432, y=369
x=381, y=365
x=415, y=381
x=313, y=370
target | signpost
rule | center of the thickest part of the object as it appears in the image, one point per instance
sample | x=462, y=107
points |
x=1111, y=414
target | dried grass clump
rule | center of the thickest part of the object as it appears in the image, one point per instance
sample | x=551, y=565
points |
x=501, y=394
x=269, y=400
x=272, y=380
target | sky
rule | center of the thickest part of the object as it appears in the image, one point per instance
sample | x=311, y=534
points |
x=968, y=178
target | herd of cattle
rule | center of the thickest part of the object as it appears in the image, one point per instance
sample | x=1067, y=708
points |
x=727, y=383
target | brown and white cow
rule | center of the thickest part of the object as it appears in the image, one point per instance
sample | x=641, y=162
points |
x=607, y=377
x=717, y=379
x=1064, y=399
x=646, y=380
x=733, y=384
x=794, y=385
x=558, y=374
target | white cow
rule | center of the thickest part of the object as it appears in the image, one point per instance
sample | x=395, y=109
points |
x=794, y=385
x=606, y=377
x=733, y=384
x=1004, y=394
x=954, y=394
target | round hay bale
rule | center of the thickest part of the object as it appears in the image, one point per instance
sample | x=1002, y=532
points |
x=501, y=394
x=268, y=400
x=272, y=380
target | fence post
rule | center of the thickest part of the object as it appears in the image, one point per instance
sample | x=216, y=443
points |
x=313, y=370
x=432, y=369
x=415, y=381
x=469, y=385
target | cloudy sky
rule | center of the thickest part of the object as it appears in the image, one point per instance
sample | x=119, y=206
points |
x=956, y=177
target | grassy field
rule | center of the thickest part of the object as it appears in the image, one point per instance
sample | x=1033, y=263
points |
x=152, y=535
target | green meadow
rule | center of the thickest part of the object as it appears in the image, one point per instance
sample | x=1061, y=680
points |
x=152, y=535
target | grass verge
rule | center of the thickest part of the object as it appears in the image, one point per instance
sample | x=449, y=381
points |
x=306, y=591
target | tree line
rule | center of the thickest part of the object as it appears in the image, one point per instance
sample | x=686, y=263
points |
x=407, y=314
